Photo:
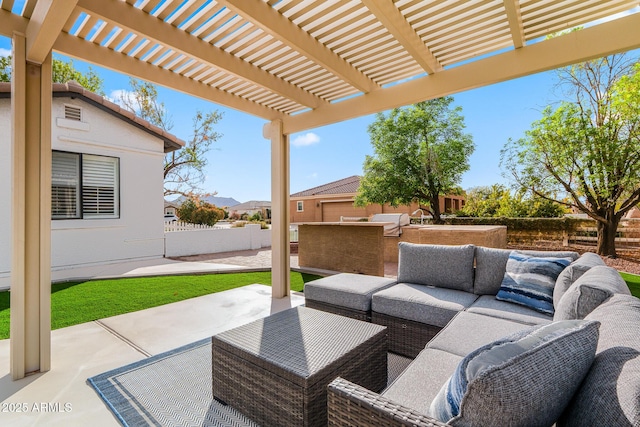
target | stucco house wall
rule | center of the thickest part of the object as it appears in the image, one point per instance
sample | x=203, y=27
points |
x=138, y=232
x=329, y=202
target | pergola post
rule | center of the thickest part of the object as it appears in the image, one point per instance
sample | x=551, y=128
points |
x=31, y=213
x=280, y=251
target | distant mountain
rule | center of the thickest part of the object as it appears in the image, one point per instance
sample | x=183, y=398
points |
x=220, y=202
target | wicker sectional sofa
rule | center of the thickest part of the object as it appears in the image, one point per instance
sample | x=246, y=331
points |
x=444, y=312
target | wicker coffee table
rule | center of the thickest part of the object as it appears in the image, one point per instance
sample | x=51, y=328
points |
x=276, y=370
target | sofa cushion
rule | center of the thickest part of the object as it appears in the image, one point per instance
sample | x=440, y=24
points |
x=488, y=305
x=529, y=280
x=589, y=291
x=507, y=374
x=491, y=264
x=610, y=393
x=431, y=265
x=418, y=385
x=456, y=337
x=420, y=303
x=346, y=290
x=572, y=273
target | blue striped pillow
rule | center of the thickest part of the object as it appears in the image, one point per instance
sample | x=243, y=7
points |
x=529, y=281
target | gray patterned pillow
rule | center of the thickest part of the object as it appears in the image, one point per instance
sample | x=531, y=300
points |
x=592, y=289
x=530, y=376
x=572, y=273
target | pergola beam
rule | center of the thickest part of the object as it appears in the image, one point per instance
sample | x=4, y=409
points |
x=389, y=15
x=46, y=22
x=10, y=23
x=512, y=7
x=136, y=21
x=571, y=48
x=96, y=54
x=264, y=16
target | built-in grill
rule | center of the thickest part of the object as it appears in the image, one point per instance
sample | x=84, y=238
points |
x=396, y=222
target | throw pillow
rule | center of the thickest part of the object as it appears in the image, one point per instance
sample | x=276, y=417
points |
x=592, y=289
x=530, y=376
x=572, y=273
x=529, y=281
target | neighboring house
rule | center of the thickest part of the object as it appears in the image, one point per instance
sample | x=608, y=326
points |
x=106, y=183
x=170, y=208
x=251, y=208
x=330, y=202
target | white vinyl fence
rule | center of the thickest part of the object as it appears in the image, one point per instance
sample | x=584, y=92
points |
x=198, y=241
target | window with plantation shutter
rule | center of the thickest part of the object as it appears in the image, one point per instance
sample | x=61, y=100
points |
x=65, y=185
x=99, y=186
x=84, y=186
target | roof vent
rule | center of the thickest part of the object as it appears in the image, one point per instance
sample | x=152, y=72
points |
x=73, y=113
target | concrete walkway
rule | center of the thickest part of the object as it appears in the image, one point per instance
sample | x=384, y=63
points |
x=61, y=397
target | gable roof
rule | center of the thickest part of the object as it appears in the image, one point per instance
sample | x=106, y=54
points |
x=342, y=186
x=74, y=90
x=251, y=205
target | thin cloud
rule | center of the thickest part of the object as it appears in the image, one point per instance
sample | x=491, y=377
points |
x=5, y=52
x=117, y=96
x=309, y=138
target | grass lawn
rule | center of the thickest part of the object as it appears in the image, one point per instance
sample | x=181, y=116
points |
x=634, y=283
x=79, y=302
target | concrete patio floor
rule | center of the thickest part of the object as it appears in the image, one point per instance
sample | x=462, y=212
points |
x=62, y=397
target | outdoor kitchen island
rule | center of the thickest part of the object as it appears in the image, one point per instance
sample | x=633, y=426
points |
x=347, y=247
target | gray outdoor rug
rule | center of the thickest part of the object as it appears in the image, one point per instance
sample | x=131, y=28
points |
x=174, y=389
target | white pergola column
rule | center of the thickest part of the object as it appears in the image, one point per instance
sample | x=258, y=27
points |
x=31, y=213
x=280, y=251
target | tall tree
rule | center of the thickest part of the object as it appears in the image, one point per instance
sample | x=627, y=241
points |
x=585, y=153
x=62, y=72
x=183, y=169
x=420, y=153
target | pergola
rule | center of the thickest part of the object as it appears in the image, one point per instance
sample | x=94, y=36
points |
x=298, y=64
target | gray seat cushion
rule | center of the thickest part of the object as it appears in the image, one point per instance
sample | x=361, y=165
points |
x=420, y=303
x=469, y=331
x=589, y=291
x=418, y=385
x=573, y=272
x=488, y=305
x=526, y=379
x=491, y=264
x=346, y=290
x=436, y=265
x=610, y=393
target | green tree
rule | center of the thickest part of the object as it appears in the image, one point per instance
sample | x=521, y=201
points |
x=497, y=201
x=420, y=153
x=586, y=151
x=483, y=201
x=62, y=72
x=184, y=168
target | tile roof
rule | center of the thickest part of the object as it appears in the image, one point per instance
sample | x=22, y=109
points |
x=343, y=186
x=73, y=89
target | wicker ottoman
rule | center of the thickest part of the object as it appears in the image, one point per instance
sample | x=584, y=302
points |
x=276, y=370
x=346, y=294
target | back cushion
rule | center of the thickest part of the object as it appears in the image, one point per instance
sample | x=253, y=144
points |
x=572, y=273
x=436, y=265
x=491, y=265
x=592, y=289
x=610, y=393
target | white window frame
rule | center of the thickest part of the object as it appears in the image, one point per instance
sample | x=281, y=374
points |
x=300, y=206
x=97, y=186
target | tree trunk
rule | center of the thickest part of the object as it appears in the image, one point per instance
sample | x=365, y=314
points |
x=435, y=210
x=607, y=237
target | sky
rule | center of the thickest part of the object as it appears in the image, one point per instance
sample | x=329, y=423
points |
x=238, y=164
